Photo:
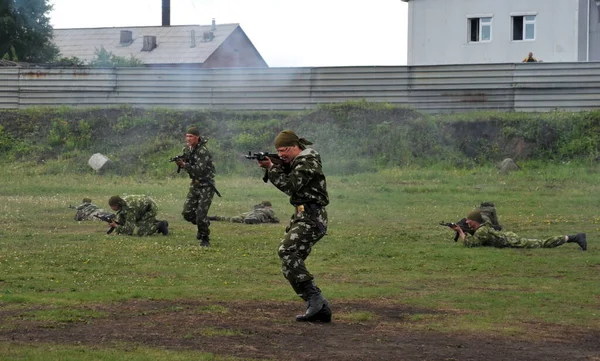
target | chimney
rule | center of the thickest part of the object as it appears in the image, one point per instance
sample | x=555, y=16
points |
x=214, y=24
x=149, y=43
x=193, y=39
x=126, y=37
x=166, y=12
x=208, y=36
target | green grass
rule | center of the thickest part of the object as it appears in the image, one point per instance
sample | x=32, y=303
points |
x=384, y=242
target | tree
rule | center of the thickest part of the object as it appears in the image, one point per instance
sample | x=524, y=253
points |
x=105, y=58
x=25, y=26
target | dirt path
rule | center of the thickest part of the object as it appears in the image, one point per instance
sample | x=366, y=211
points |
x=268, y=331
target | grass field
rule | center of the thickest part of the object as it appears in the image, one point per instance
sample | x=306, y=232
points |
x=384, y=245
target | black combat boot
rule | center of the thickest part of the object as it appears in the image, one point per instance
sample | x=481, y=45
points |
x=162, y=227
x=317, y=307
x=204, y=240
x=579, y=238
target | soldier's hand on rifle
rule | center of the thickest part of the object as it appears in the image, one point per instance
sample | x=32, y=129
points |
x=180, y=163
x=461, y=233
x=265, y=163
x=113, y=224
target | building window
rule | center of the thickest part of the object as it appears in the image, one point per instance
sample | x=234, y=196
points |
x=480, y=29
x=523, y=27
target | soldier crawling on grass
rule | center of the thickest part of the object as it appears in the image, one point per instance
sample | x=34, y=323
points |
x=484, y=234
x=88, y=211
x=137, y=211
x=305, y=183
x=261, y=213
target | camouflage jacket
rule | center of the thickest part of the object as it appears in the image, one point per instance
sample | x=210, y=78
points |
x=304, y=182
x=84, y=211
x=199, y=163
x=486, y=235
x=138, y=207
x=261, y=214
x=90, y=212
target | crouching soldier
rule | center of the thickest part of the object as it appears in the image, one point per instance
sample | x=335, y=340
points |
x=137, y=211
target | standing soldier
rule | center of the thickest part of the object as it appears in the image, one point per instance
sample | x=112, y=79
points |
x=197, y=162
x=137, y=211
x=301, y=177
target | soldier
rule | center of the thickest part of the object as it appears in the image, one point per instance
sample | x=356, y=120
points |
x=197, y=162
x=261, y=213
x=485, y=235
x=301, y=177
x=137, y=211
x=87, y=211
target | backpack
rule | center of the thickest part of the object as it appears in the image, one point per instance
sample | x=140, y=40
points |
x=489, y=214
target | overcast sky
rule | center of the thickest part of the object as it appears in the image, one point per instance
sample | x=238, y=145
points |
x=286, y=33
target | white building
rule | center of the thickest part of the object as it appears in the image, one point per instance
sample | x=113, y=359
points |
x=502, y=31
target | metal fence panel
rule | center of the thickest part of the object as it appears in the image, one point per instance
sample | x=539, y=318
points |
x=430, y=89
x=9, y=87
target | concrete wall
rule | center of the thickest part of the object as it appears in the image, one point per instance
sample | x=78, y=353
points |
x=438, y=31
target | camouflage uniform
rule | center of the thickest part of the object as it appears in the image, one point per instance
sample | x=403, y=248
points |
x=139, y=212
x=305, y=183
x=199, y=165
x=486, y=235
x=87, y=211
x=260, y=214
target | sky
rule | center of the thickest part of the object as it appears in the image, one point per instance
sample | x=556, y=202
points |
x=308, y=33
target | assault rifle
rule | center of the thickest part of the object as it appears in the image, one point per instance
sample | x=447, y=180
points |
x=176, y=159
x=108, y=218
x=462, y=224
x=260, y=156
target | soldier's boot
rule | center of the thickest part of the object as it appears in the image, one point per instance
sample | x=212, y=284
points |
x=162, y=227
x=317, y=307
x=579, y=238
x=203, y=238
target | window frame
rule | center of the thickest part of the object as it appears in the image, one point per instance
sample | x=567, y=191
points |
x=483, y=21
x=525, y=23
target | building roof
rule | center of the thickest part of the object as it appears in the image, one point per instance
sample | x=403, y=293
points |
x=175, y=44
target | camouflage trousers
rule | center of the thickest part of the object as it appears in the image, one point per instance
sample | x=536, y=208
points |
x=145, y=226
x=303, y=232
x=236, y=219
x=196, y=206
x=535, y=243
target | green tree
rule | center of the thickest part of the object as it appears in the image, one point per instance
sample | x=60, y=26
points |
x=25, y=26
x=105, y=58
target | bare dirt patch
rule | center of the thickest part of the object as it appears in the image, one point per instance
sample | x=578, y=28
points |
x=268, y=331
